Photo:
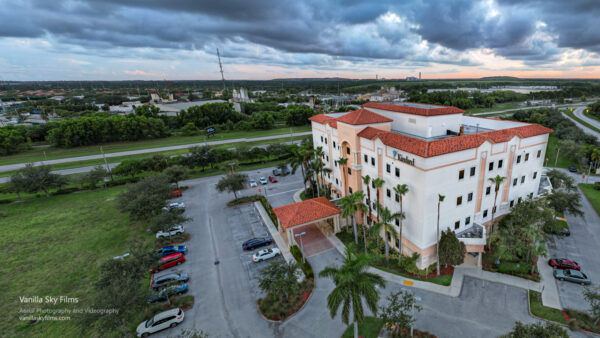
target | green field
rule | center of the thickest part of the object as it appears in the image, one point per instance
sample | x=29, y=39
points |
x=79, y=164
x=492, y=109
x=562, y=162
x=52, y=153
x=55, y=246
x=592, y=195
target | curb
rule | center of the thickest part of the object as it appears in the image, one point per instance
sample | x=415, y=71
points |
x=290, y=317
x=297, y=195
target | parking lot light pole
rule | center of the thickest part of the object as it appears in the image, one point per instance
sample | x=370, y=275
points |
x=301, y=245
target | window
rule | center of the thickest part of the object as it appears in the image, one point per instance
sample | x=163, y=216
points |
x=326, y=140
x=350, y=189
x=388, y=193
x=397, y=198
x=472, y=171
x=373, y=161
x=534, y=175
x=375, y=205
x=389, y=236
x=519, y=200
x=397, y=222
x=531, y=195
x=334, y=144
x=526, y=157
x=488, y=190
x=515, y=181
x=366, y=158
x=522, y=179
x=468, y=220
x=372, y=185
x=321, y=138
x=349, y=171
x=397, y=242
x=470, y=197
x=518, y=159
x=499, y=164
x=397, y=172
x=388, y=168
x=461, y=174
x=456, y=225
x=336, y=181
x=491, y=166
x=485, y=213
x=348, y=150
x=459, y=200
x=539, y=153
x=512, y=202
x=335, y=163
x=327, y=157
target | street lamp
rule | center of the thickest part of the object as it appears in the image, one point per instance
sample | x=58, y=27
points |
x=301, y=244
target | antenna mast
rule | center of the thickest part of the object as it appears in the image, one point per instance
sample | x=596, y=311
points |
x=221, y=67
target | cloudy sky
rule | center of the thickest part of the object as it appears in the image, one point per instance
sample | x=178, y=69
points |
x=177, y=39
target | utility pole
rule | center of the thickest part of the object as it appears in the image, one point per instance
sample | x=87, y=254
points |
x=221, y=68
x=556, y=159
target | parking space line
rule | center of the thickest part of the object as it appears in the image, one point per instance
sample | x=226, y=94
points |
x=283, y=192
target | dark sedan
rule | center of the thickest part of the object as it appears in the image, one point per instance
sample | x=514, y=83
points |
x=572, y=168
x=256, y=243
x=169, y=279
x=167, y=292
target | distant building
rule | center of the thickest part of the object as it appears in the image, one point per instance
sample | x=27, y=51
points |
x=411, y=78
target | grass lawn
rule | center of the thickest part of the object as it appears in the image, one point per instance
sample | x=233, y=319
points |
x=79, y=164
x=493, y=109
x=52, y=153
x=369, y=328
x=444, y=280
x=539, y=310
x=592, y=195
x=562, y=162
x=571, y=115
x=55, y=246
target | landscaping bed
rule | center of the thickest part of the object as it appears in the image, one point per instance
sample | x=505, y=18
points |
x=514, y=268
x=539, y=310
x=578, y=320
x=371, y=327
x=274, y=307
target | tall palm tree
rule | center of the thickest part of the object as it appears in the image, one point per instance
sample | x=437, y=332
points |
x=401, y=190
x=367, y=182
x=359, y=197
x=342, y=161
x=317, y=167
x=437, y=241
x=385, y=221
x=377, y=184
x=497, y=181
x=297, y=161
x=350, y=205
x=353, y=284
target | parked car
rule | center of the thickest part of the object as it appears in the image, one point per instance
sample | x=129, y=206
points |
x=161, y=321
x=565, y=232
x=272, y=179
x=180, y=206
x=571, y=275
x=253, y=183
x=256, y=243
x=173, y=231
x=163, y=280
x=572, y=168
x=562, y=263
x=167, y=292
x=262, y=180
x=174, y=193
x=265, y=254
x=276, y=172
x=286, y=171
x=171, y=249
x=168, y=262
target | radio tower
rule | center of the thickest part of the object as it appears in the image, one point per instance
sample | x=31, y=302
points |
x=221, y=67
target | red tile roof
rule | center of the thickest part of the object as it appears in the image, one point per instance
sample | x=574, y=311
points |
x=305, y=211
x=452, y=144
x=442, y=110
x=363, y=116
x=321, y=118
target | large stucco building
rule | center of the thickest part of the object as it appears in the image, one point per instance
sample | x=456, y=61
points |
x=434, y=150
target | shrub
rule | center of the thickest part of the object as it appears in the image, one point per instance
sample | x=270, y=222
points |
x=306, y=267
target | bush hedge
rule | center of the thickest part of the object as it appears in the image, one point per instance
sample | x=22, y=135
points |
x=306, y=267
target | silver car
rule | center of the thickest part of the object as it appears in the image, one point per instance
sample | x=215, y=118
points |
x=161, y=321
x=263, y=180
x=174, y=231
x=253, y=183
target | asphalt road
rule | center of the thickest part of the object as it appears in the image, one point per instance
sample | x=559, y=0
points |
x=16, y=166
x=585, y=129
x=579, y=113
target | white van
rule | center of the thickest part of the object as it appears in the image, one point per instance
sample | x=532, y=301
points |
x=161, y=321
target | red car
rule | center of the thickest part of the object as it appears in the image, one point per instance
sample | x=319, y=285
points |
x=561, y=263
x=272, y=179
x=174, y=193
x=169, y=261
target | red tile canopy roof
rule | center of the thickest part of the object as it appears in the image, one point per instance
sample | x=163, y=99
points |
x=424, y=148
x=423, y=109
x=305, y=212
x=363, y=116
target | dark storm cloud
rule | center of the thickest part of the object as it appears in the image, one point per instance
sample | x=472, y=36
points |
x=341, y=28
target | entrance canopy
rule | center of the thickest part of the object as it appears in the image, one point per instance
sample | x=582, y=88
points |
x=305, y=212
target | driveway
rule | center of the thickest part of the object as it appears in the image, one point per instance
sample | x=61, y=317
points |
x=314, y=241
x=583, y=246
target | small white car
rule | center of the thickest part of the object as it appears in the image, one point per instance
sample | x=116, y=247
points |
x=175, y=206
x=253, y=184
x=176, y=230
x=263, y=180
x=265, y=254
x=161, y=321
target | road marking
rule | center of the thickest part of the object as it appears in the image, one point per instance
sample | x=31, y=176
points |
x=408, y=282
x=283, y=192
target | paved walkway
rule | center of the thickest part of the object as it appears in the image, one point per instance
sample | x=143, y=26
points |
x=275, y=235
x=16, y=166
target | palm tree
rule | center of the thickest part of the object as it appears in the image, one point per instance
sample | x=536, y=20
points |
x=377, y=184
x=401, y=190
x=367, y=182
x=497, y=181
x=317, y=166
x=437, y=241
x=386, y=217
x=353, y=284
x=297, y=161
x=350, y=205
x=342, y=163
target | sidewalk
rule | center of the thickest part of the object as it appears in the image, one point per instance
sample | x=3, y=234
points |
x=275, y=235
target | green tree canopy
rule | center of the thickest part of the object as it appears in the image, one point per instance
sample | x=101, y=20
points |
x=232, y=183
x=452, y=251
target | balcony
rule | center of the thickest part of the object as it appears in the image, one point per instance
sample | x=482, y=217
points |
x=475, y=235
